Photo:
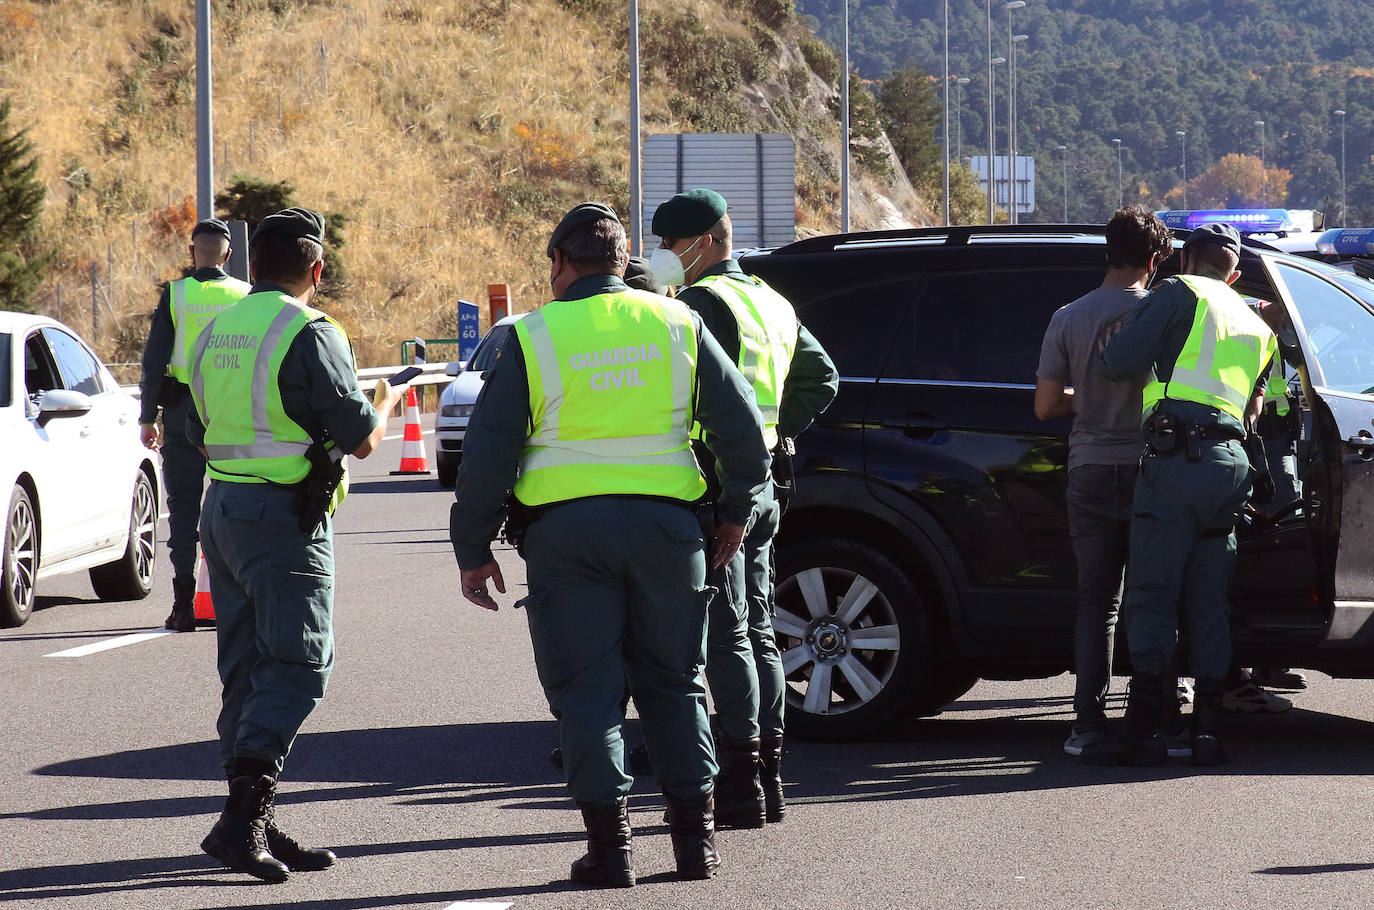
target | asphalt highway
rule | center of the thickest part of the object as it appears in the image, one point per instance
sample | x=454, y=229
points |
x=426, y=769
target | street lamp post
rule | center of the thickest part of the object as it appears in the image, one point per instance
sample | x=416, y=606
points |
x=1183, y=159
x=1063, y=151
x=1264, y=178
x=1011, y=113
x=1120, y=193
x=636, y=180
x=1015, y=138
x=944, y=140
x=844, y=129
x=959, y=115
x=1341, y=114
x=992, y=145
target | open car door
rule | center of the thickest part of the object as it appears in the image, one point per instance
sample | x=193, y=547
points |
x=1333, y=313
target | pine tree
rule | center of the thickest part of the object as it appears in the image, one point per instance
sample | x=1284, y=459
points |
x=22, y=264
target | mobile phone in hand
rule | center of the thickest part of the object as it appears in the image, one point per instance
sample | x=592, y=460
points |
x=405, y=376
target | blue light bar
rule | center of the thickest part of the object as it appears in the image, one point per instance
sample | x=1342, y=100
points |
x=1346, y=242
x=1245, y=221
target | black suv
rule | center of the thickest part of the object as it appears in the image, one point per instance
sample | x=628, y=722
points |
x=928, y=545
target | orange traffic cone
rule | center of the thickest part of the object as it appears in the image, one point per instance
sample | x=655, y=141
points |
x=414, y=460
x=204, y=607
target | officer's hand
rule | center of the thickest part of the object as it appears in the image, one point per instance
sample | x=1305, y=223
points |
x=474, y=582
x=385, y=396
x=1106, y=337
x=728, y=539
x=151, y=435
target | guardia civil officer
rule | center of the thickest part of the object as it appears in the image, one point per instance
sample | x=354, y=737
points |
x=278, y=406
x=586, y=418
x=793, y=381
x=1210, y=355
x=187, y=305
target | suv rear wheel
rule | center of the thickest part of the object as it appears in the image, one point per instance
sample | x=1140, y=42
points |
x=854, y=638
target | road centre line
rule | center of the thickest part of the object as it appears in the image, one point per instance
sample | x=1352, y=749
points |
x=109, y=643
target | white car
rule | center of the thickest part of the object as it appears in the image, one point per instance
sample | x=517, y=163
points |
x=78, y=488
x=455, y=405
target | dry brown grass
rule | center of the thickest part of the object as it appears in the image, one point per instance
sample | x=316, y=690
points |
x=451, y=134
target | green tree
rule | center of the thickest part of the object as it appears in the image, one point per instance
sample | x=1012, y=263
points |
x=22, y=261
x=252, y=199
x=911, y=108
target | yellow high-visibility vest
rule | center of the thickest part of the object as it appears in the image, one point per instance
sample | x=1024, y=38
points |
x=1223, y=355
x=611, y=382
x=193, y=304
x=767, y=337
x=249, y=438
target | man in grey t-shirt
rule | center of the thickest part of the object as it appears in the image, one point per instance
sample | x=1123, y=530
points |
x=1104, y=449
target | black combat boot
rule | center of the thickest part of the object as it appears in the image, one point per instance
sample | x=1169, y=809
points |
x=285, y=847
x=239, y=839
x=183, y=615
x=739, y=794
x=692, y=826
x=1207, y=748
x=770, y=757
x=609, y=862
x=1142, y=741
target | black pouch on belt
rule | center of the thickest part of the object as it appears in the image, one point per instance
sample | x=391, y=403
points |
x=1162, y=433
x=784, y=477
x=1193, y=442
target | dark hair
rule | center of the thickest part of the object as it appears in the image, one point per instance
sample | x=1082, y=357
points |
x=283, y=260
x=1217, y=260
x=1134, y=235
x=722, y=230
x=596, y=246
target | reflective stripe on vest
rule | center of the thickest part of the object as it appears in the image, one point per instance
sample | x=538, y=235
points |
x=234, y=381
x=767, y=337
x=602, y=370
x=193, y=304
x=1223, y=355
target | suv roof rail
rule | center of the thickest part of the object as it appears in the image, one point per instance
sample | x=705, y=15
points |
x=954, y=235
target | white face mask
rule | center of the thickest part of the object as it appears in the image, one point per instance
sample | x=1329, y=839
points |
x=667, y=266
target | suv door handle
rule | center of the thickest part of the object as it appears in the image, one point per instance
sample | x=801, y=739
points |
x=1364, y=444
x=917, y=425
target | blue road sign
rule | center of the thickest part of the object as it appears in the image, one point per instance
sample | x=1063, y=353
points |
x=469, y=331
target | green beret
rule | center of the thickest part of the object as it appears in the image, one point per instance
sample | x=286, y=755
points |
x=688, y=214
x=582, y=214
x=210, y=226
x=292, y=222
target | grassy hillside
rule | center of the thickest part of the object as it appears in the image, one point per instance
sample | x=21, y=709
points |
x=450, y=134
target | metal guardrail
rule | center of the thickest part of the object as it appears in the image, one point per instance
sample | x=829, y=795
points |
x=432, y=374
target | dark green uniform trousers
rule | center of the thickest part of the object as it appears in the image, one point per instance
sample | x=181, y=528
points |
x=730, y=657
x=618, y=593
x=183, y=473
x=1183, y=550
x=758, y=592
x=273, y=590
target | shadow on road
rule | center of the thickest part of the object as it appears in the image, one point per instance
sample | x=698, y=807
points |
x=506, y=765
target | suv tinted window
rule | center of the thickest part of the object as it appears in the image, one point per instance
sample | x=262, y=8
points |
x=5, y=342
x=853, y=325
x=984, y=326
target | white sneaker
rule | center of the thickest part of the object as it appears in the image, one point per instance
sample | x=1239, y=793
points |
x=1077, y=740
x=1251, y=699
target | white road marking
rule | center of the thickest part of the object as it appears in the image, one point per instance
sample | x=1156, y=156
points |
x=476, y=905
x=109, y=643
x=402, y=436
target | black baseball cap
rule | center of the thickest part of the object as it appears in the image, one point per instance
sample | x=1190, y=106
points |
x=1222, y=235
x=210, y=226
